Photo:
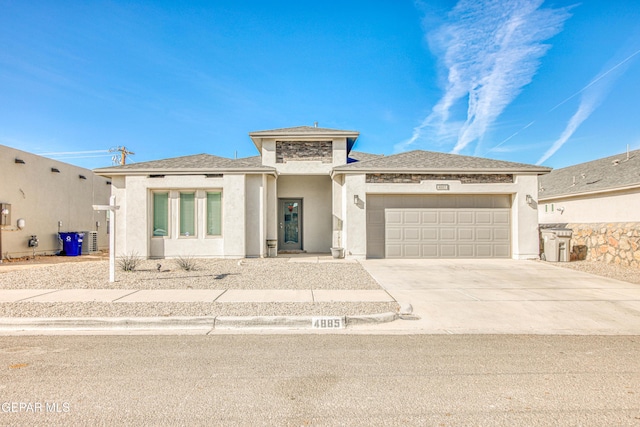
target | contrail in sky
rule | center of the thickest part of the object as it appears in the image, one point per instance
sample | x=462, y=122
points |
x=592, y=95
x=594, y=81
x=491, y=49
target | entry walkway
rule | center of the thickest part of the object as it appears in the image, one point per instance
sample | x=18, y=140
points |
x=506, y=296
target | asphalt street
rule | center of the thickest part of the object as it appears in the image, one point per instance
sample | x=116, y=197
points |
x=303, y=380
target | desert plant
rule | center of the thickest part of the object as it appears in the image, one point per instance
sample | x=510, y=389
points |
x=187, y=263
x=129, y=262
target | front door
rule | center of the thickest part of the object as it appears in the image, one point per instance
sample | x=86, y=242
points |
x=290, y=224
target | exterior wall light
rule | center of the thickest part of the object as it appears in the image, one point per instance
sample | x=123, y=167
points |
x=356, y=199
x=529, y=199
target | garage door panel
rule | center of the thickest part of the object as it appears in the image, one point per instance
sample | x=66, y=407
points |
x=484, y=234
x=466, y=217
x=411, y=251
x=501, y=251
x=394, y=250
x=448, y=251
x=467, y=232
x=448, y=233
x=429, y=233
x=429, y=218
x=485, y=218
x=500, y=234
x=484, y=251
x=430, y=250
x=466, y=251
x=501, y=218
x=447, y=217
x=411, y=217
x=394, y=218
x=411, y=234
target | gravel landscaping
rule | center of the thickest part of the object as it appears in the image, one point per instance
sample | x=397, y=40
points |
x=259, y=273
x=252, y=274
x=612, y=271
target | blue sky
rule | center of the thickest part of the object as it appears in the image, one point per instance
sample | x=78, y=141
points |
x=554, y=82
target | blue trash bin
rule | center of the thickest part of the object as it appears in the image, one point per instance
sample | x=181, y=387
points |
x=71, y=243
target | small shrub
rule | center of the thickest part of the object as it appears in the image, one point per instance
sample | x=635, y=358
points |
x=129, y=262
x=187, y=263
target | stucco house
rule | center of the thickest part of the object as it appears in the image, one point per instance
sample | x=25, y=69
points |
x=41, y=197
x=309, y=191
x=600, y=202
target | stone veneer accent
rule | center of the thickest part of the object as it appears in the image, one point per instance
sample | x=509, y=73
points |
x=416, y=178
x=304, y=150
x=617, y=243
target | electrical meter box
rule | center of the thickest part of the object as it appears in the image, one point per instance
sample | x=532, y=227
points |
x=5, y=214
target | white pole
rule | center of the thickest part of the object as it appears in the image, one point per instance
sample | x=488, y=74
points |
x=112, y=239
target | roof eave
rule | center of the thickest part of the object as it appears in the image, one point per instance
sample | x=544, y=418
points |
x=542, y=198
x=536, y=171
x=181, y=171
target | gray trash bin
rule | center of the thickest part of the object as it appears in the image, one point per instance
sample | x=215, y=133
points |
x=557, y=242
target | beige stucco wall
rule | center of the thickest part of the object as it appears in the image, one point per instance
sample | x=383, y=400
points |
x=42, y=198
x=524, y=216
x=134, y=196
x=303, y=167
x=315, y=192
x=618, y=206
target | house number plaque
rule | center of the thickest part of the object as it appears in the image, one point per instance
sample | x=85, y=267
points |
x=327, y=322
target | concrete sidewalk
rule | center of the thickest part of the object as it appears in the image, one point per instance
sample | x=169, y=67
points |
x=187, y=324
x=120, y=296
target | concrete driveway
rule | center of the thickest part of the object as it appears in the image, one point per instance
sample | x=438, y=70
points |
x=506, y=297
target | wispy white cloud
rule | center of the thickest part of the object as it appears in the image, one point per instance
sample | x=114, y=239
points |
x=592, y=95
x=490, y=49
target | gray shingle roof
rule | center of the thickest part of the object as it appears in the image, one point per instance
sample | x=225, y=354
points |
x=609, y=173
x=200, y=162
x=419, y=160
x=359, y=156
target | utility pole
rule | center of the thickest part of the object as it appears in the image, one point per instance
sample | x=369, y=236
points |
x=123, y=154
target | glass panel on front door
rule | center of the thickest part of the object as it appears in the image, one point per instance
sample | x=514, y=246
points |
x=291, y=223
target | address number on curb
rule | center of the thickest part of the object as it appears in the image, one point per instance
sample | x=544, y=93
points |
x=327, y=322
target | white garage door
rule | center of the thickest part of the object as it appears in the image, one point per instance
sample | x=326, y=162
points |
x=439, y=226
x=447, y=233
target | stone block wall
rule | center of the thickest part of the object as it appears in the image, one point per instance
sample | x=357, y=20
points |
x=304, y=150
x=617, y=243
x=417, y=178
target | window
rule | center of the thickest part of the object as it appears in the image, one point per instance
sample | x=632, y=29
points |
x=214, y=214
x=187, y=214
x=160, y=214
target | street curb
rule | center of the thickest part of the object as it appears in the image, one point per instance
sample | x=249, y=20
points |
x=205, y=323
x=104, y=323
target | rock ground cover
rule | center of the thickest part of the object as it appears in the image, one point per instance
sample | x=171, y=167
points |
x=252, y=274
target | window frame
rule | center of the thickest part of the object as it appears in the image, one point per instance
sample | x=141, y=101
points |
x=167, y=221
x=194, y=224
x=206, y=213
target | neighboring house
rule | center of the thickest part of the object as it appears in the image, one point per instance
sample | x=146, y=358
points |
x=600, y=201
x=310, y=192
x=45, y=196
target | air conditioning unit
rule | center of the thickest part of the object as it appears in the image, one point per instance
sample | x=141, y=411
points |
x=90, y=242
